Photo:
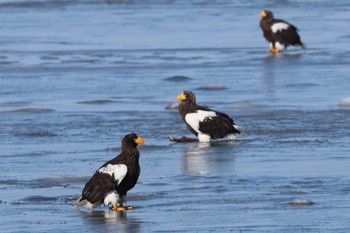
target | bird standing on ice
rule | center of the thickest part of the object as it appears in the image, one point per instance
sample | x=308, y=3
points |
x=279, y=33
x=112, y=180
x=204, y=122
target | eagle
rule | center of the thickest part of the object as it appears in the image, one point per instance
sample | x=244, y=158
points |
x=204, y=122
x=115, y=178
x=279, y=33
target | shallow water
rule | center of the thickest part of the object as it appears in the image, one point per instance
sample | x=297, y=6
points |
x=75, y=77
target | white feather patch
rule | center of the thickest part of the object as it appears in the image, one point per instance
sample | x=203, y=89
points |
x=239, y=128
x=203, y=137
x=111, y=198
x=118, y=171
x=279, y=27
x=279, y=46
x=193, y=119
x=89, y=205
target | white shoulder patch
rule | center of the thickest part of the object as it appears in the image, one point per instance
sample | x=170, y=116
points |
x=279, y=27
x=118, y=171
x=193, y=119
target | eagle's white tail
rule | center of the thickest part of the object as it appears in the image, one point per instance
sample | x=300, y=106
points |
x=80, y=203
x=240, y=129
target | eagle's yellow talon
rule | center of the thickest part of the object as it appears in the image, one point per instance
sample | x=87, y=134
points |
x=122, y=208
x=274, y=51
x=118, y=208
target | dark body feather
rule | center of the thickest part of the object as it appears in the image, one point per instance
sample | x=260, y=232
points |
x=101, y=184
x=287, y=37
x=218, y=126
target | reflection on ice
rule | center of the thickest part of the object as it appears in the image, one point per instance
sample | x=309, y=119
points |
x=117, y=219
x=195, y=161
x=77, y=75
x=106, y=216
x=206, y=158
x=345, y=102
x=273, y=69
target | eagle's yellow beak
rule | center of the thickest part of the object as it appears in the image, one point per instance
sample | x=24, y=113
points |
x=139, y=140
x=181, y=96
x=262, y=14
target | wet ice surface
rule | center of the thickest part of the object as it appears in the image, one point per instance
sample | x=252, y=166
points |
x=76, y=77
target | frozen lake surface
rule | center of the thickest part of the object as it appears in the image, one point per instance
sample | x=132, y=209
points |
x=76, y=76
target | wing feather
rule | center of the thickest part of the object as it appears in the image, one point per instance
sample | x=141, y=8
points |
x=105, y=180
x=286, y=31
x=218, y=126
x=98, y=186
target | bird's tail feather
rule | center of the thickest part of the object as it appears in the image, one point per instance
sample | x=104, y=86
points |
x=79, y=202
x=240, y=129
x=302, y=45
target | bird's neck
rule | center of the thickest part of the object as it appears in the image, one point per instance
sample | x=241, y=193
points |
x=185, y=108
x=187, y=105
x=268, y=20
x=131, y=153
